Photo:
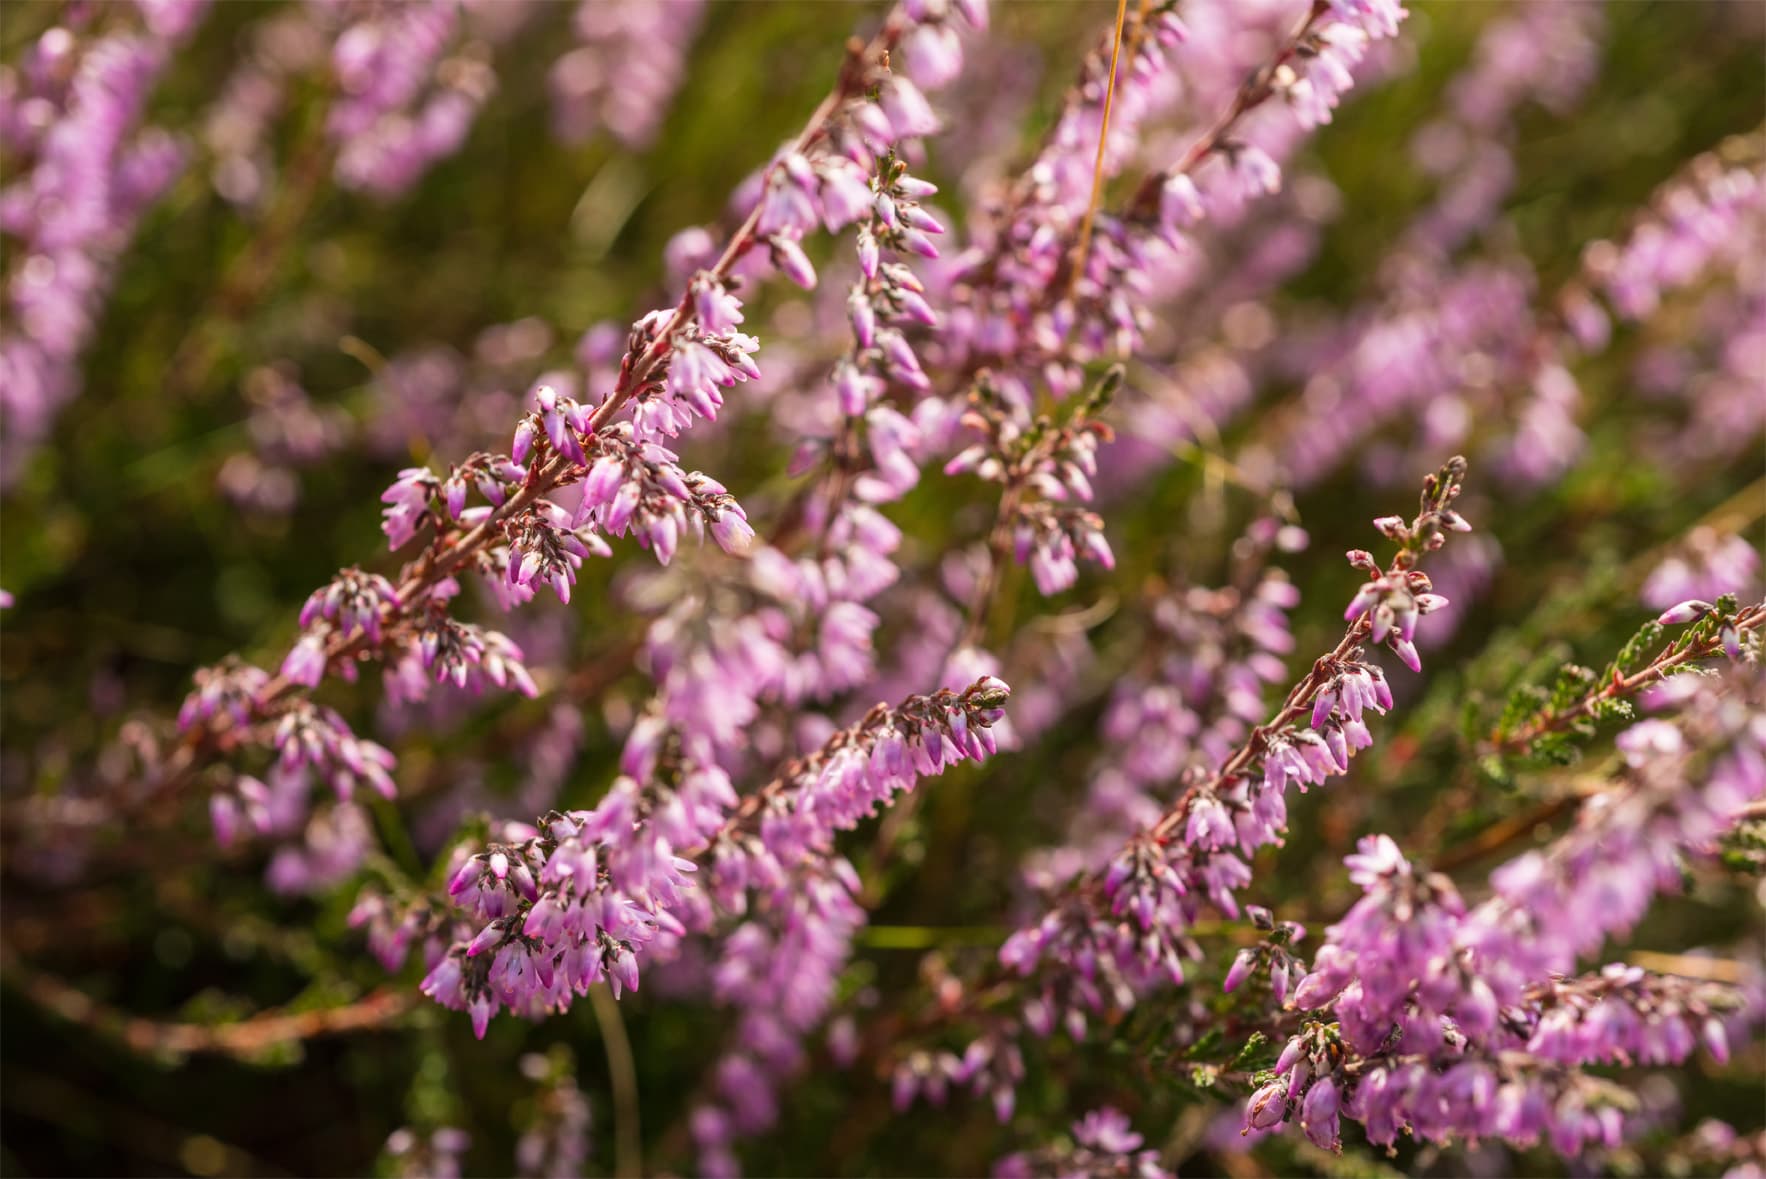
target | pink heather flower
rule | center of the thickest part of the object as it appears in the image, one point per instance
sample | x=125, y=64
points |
x=1318, y=1114
x=1243, y=963
x=934, y=55
x=788, y=204
x=305, y=662
x=732, y=531
x=1254, y=173
x=910, y=115
x=1267, y=1107
x=1180, y=203
x=718, y=310
x=1690, y=611
x=792, y=262
x=845, y=194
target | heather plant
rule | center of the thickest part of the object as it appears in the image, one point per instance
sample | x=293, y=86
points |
x=645, y=586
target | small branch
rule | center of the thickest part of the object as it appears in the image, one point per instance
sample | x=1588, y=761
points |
x=1722, y=970
x=1501, y=835
x=246, y=1039
x=1083, y=245
x=1679, y=653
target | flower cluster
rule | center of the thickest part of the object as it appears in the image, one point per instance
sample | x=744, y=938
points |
x=82, y=172
x=1009, y=284
x=1456, y=1019
x=1044, y=466
x=578, y=899
x=1123, y=931
x=1104, y=1144
x=1212, y=655
x=627, y=61
x=403, y=102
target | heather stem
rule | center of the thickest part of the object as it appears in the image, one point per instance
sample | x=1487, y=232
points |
x=622, y=1073
x=1083, y=245
x=246, y=1038
x=1680, y=653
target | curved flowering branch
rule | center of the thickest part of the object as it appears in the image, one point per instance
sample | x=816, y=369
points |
x=578, y=900
x=1116, y=933
x=683, y=751
x=677, y=361
x=1160, y=875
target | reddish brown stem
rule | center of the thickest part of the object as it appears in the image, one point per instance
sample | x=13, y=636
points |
x=247, y=1038
x=1679, y=653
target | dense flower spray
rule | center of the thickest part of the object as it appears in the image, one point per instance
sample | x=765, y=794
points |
x=1465, y=1019
x=680, y=686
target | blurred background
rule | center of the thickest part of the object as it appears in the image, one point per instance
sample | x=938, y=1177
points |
x=277, y=345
